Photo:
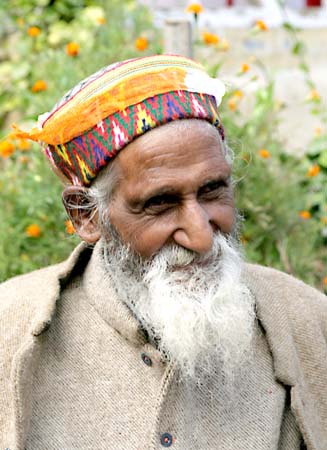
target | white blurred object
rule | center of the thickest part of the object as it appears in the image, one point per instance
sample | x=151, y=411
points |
x=178, y=37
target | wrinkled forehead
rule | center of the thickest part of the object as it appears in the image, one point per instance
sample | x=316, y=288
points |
x=175, y=154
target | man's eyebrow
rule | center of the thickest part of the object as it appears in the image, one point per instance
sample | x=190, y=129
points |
x=156, y=192
x=163, y=190
x=216, y=179
x=169, y=190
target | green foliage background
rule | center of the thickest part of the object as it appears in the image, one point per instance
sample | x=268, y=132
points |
x=270, y=192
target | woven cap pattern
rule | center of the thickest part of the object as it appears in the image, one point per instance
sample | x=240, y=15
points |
x=109, y=109
x=80, y=159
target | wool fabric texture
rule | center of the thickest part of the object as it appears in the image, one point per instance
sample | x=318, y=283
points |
x=106, y=111
x=72, y=374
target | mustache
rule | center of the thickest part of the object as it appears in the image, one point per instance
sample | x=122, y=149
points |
x=171, y=258
x=175, y=256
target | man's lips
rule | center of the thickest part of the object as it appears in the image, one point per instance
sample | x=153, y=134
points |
x=189, y=266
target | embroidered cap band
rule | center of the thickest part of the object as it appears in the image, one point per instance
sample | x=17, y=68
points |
x=106, y=111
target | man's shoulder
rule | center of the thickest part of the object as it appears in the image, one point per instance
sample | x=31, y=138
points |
x=29, y=282
x=275, y=288
x=23, y=298
x=275, y=280
x=31, y=297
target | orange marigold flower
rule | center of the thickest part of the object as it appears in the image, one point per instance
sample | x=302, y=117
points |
x=101, y=20
x=210, y=38
x=141, y=43
x=194, y=8
x=318, y=131
x=7, y=148
x=264, y=153
x=313, y=96
x=238, y=94
x=33, y=31
x=313, y=171
x=232, y=104
x=325, y=280
x=69, y=227
x=39, y=85
x=72, y=49
x=23, y=145
x=11, y=136
x=305, y=214
x=33, y=230
x=245, y=68
x=261, y=25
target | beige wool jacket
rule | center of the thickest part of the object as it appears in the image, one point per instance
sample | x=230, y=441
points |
x=76, y=372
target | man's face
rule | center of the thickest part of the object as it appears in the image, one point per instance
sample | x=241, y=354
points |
x=172, y=251
x=174, y=188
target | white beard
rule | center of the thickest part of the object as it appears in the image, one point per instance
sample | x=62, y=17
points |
x=196, y=309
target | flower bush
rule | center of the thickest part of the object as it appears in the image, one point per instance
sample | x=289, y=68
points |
x=47, y=49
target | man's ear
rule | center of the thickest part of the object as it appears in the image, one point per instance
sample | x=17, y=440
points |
x=84, y=219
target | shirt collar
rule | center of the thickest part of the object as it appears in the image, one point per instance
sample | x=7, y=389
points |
x=99, y=287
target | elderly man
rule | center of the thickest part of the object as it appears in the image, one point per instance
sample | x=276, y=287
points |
x=154, y=333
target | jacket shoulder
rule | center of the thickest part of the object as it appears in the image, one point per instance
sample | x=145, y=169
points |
x=24, y=284
x=23, y=297
x=28, y=301
x=276, y=287
x=276, y=280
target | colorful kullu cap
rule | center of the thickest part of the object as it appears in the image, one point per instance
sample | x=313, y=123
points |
x=108, y=110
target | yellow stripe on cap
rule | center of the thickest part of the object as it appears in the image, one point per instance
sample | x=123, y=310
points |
x=118, y=88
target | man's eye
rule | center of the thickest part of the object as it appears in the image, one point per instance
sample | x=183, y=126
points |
x=213, y=188
x=160, y=202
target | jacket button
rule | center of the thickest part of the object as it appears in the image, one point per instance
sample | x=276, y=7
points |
x=146, y=359
x=166, y=440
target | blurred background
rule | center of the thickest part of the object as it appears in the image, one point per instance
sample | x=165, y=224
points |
x=272, y=56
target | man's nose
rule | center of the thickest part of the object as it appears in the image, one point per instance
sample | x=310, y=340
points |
x=194, y=229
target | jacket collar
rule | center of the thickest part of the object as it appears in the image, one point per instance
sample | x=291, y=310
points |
x=102, y=295
x=51, y=290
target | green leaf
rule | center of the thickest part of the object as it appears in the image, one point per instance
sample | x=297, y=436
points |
x=318, y=146
x=322, y=160
x=310, y=83
x=214, y=69
x=316, y=198
x=304, y=67
x=298, y=48
x=315, y=111
x=288, y=26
